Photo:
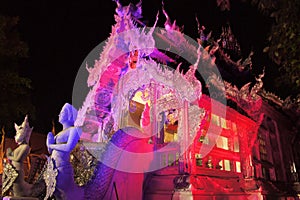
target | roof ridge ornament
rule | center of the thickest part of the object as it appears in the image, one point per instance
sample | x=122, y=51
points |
x=248, y=99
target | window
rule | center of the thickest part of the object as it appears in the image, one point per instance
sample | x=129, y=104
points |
x=215, y=119
x=262, y=147
x=203, y=138
x=199, y=161
x=223, y=123
x=222, y=142
x=238, y=166
x=227, y=165
x=206, y=140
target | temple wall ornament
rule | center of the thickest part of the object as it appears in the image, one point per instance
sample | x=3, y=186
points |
x=8, y=177
x=49, y=176
x=84, y=163
x=247, y=98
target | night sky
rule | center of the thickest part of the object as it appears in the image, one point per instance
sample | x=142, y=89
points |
x=60, y=34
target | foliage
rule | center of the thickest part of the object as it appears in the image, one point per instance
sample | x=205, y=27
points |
x=284, y=40
x=15, y=90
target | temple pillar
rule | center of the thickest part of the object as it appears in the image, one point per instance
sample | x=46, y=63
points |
x=153, y=119
x=245, y=152
x=186, y=136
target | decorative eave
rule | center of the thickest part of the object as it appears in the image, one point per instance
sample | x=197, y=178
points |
x=290, y=106
x=271, y=97
x=247, y=97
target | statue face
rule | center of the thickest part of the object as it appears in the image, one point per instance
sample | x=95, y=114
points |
x=20, y=134
x=67, y=114
x=172, y=117
x=63, y=116
x=23, y=132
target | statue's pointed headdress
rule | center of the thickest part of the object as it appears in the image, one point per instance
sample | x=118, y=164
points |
x=24, y=129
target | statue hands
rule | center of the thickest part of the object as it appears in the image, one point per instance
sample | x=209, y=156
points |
x=50, y=141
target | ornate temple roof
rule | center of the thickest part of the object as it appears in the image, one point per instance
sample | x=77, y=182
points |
x=231, y=79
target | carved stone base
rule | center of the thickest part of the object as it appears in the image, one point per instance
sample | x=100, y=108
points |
x=19, y=198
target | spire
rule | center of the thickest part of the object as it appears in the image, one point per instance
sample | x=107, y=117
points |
x=228, y=41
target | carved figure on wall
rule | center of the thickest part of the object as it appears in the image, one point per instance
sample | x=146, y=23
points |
x=171, y=126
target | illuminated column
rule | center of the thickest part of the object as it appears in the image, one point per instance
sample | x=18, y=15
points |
x=153, y=116
x=186, y=136
x=100, y=132
x=245, y=152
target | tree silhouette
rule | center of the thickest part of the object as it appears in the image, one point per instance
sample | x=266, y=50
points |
x=284, y=41
x=15, y=90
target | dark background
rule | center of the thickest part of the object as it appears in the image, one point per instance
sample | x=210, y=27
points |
x=60, y=34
